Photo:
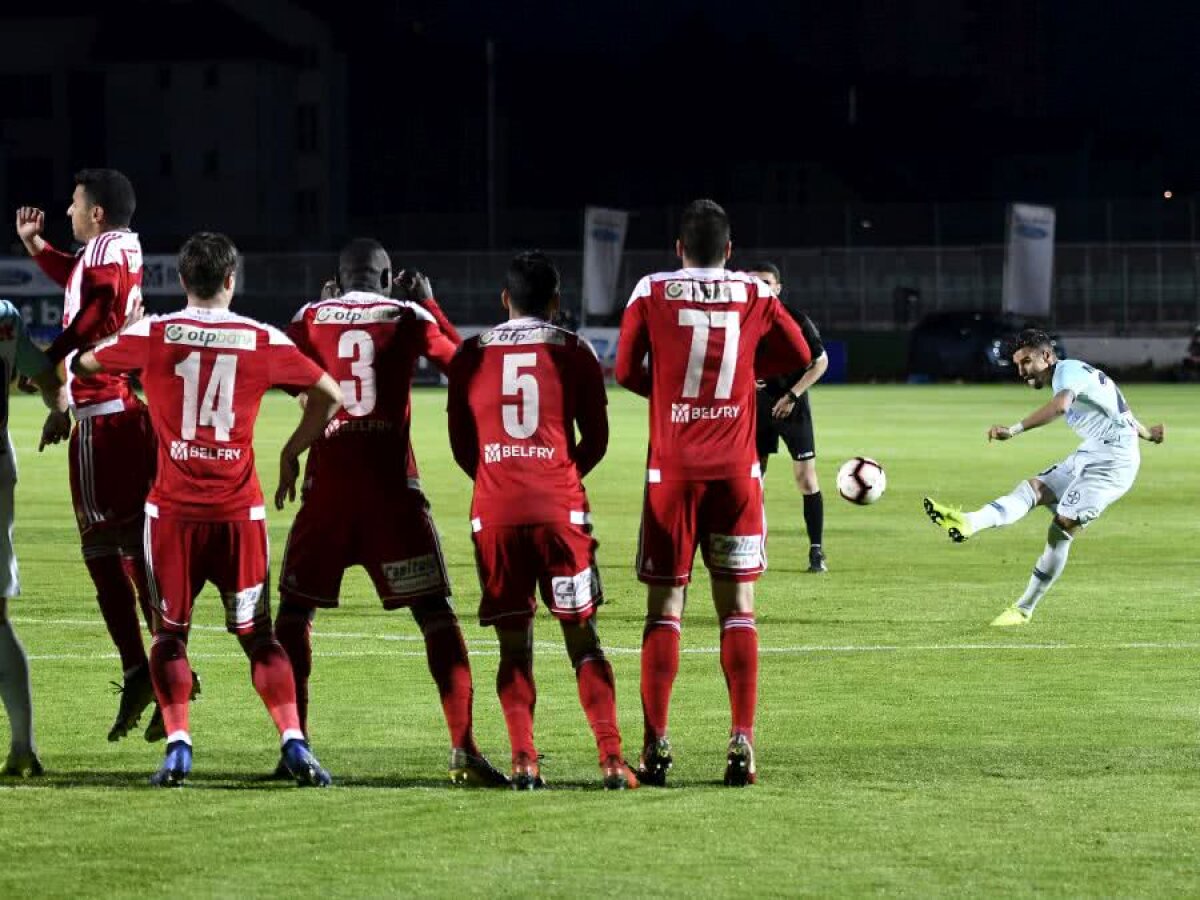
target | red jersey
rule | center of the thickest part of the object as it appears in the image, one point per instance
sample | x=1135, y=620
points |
x=516, y=394
x=205, y=372
x=103, y=289
x=369, y=344
x=705, y=331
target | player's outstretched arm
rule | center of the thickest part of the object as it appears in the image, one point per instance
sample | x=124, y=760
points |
x=322, y=401
x=56, y=264
x=1058, y=405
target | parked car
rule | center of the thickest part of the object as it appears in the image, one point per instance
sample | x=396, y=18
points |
x=967, y=344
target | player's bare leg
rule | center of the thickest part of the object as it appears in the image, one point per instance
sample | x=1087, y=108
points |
x=446, y=655
x=1046, y=571
x=598, y=696
x=518, y=697
x=660, y=666
x=805, y=473
x=18, y=701
x=734, y=601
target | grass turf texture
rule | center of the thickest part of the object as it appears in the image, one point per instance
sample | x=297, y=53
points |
x=903, y=745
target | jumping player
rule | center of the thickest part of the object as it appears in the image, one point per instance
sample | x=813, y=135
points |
x=517, y=394
x=112, y=445
x=705, y=331
x=359, y=507
x=205, y=371
x=1079, y=488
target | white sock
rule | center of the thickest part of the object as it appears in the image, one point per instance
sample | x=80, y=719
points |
x=1004, y=510
x=15, y=691
x=1048, y=567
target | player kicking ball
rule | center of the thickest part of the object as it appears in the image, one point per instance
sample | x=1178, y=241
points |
x=205, y=370
x=517, y=394
x=1079, y=488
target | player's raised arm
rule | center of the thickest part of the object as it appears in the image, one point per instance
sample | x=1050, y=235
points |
x=56, y=264
x=633, y=344
x=416, y=288
x=1043, y=415
x=321, y=403
x=591, y=411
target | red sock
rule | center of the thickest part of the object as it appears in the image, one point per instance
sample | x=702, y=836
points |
x=518, y=697
x=135, y=571
x=598, y=695
x=446, y=653
x=171, y=675
x=660, y=665
x=272, y=676
x=293, y=630
x=118, y=606
x=739, y=660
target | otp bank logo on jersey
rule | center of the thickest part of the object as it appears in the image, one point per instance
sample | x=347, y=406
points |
x=494, y=453
x=215, y=338
x=682, y=413
x=339, y=315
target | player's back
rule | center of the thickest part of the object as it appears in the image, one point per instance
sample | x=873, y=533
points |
x=205, y=373
x=1099, y=414
x=702, y=329
x=369, y=344
x=104, y=290
x=517, y=391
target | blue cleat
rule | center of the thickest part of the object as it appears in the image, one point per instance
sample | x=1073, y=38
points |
x=176, y=767
x=303, y=766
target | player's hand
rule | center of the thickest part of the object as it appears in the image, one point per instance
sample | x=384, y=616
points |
x=999, y=433
x=330, y=290
x=56, y=428
x=1157, y=433
x=289, y=473
x=30, y=222
x=413, y=286
x=783, y=407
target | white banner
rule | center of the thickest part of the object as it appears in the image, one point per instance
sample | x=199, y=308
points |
x=1029, y=260
x=603, y=243
x=21, y=277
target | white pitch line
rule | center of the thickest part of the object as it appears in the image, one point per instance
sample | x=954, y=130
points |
x=800, y=649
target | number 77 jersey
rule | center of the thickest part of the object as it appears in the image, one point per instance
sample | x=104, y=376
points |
x=205, y=372
x=707, y=334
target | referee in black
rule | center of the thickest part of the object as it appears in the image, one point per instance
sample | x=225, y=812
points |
x=784, y=412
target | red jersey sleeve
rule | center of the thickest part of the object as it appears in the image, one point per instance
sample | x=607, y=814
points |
x=444, y=323
x=591, y=410
x=287, y=366
x=128, y=351
x=464, y=438
x=100, y=314
x=437, y=346
x=634, y=343
x=56, y=264
x=297, y=333
x=783, y=348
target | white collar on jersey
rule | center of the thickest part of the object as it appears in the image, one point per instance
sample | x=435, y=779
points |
x=705, y=272
x=207, y=312
x=523, y=322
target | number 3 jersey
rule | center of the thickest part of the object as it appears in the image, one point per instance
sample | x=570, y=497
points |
x=205, y=372
x=516, y=394
x=706, y=332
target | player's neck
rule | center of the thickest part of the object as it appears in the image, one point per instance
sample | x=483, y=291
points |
x=692, y=264
x=212, y=304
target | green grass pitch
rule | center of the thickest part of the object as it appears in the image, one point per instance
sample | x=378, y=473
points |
x=904, y=747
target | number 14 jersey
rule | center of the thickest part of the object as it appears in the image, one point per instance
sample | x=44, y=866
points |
x=205, y=372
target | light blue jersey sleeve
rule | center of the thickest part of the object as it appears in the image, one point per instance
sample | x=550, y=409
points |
x=27, y=358
x=1072, y=375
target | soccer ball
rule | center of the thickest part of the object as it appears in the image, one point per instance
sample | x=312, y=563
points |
x=861, y=480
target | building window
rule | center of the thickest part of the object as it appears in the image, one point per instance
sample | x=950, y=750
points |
x=212, y=77
x=306, y=128
x=165, y=165
x=212, y=163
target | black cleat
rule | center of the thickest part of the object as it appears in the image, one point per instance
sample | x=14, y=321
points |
x=526, y=773
x=137, y=692
x=739, y=764
x=816, y=559
x=656, y=761
x=471, y=770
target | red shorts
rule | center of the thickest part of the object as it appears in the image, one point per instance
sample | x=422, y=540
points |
x=725, y=517
x=112, y=468
x=514, y=560
x=181, y=556
x=394, y=539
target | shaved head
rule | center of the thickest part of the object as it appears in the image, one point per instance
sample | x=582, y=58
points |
x=365, y=266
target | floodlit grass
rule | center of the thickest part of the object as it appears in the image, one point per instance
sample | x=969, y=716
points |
x=904, y=747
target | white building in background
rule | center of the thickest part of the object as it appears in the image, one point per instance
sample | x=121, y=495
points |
x=232, y=117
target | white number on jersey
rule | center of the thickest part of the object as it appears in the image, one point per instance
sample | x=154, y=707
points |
x=359, y=391
x=216, y=409
x=520, y=421
x=701, y=322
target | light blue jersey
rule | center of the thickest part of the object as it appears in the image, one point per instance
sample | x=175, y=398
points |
x=1099, y=413
x=18, y=355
